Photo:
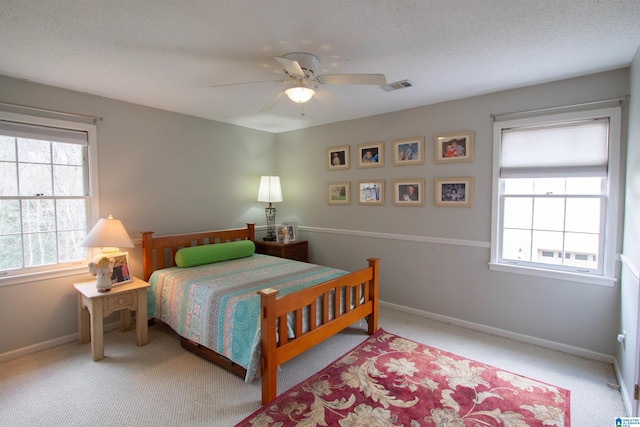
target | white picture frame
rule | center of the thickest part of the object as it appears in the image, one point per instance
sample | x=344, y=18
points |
x=287, y=232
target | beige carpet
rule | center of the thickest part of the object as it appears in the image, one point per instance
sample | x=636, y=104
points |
x=161, y=384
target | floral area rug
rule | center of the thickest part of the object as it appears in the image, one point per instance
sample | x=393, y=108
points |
x=392, y=381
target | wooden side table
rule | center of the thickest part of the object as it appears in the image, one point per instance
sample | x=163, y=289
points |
x=94, y=306
x=297, y=250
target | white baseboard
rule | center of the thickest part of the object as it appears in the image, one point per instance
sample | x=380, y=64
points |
x=49, y=344
x=445, y=319
x=627, y=400
x=577, y=351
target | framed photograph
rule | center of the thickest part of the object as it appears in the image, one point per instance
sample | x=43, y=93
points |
x=408, y=192
x=454, y=147
x=371, y=192
x=408, y=151
x=371, y=155
x=286, y=232
x=338, y=157
x=120, y=268
x=340, y=193
x=454, y=192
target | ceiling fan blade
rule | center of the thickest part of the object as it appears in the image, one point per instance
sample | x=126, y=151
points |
x=352, y=79
x=269, y=105
x=292, y=67
x=250, y=83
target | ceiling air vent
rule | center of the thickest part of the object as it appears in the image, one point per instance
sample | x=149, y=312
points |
x=389, y=87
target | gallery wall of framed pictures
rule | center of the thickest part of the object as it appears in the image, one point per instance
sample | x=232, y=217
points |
x=451, y=147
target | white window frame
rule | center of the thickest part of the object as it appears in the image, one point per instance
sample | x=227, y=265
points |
x=78, y=267
x=610, y=237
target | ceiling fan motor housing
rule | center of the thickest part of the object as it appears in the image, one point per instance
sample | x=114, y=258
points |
x=308, y=63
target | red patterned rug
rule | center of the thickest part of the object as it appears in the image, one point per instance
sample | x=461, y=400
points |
x=392, y=381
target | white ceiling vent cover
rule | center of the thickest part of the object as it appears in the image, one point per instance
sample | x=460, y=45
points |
x=389, y=87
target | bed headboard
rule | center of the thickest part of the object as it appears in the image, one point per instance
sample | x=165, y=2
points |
x=159, y=252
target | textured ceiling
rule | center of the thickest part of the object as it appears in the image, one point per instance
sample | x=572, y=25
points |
x=169, y=54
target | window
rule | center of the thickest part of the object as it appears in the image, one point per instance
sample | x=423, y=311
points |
x=45, y=193
x=555, y=195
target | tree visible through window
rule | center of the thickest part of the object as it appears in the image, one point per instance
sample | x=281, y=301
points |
x=44, y=197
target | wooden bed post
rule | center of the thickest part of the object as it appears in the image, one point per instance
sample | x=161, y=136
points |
x=147, y=254
x=252, y=230
x=372, y=319
x=268, y=343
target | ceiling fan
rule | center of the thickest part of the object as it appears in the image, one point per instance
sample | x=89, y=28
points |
x=302, y=80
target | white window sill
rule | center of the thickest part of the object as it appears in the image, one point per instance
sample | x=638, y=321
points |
x=550, y=274
x=19, y=279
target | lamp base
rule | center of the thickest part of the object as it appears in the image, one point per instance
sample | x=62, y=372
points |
x=269, y=239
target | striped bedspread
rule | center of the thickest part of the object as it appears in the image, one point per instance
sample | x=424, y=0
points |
x=217, y=305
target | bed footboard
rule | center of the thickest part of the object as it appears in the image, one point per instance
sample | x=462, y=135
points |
x=360, y=292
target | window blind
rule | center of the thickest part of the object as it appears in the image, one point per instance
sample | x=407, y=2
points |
x=22, y=130
x=562, y=149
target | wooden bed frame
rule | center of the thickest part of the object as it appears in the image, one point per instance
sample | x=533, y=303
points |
x=360, y=302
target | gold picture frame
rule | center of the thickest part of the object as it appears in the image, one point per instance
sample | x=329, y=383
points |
x=338, y=157
x=339, y=193
x=371, y=192
x=408, y=151
x=454, y=192
x=408, y=192
x=371, y=155
x=454, y=147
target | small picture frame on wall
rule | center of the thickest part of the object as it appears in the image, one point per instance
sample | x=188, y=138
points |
x=339, y=193
x=371, y=155
x=454, y=147
x=287, y=232
x=120, y=268
x=456, y=192
x=408, y=151
x=338, y=157
x=371, y=192
x=408, y=192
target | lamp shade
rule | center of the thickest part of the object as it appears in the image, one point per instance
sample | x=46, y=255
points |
x=300, y=93
x=108, y=233
x=270, y=190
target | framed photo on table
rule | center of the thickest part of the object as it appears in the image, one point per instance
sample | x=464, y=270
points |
x=371, y=192
x=338, y=157
x=408, y=151
x=287, y=232
x=120, y=268
x=456, y=192
x=454, y=147
x=408, y=192
x=371, y=155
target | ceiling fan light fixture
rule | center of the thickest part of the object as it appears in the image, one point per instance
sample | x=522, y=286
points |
x=300, y=93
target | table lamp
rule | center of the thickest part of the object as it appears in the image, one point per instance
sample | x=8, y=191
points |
x=110, y=235
x=270, y=192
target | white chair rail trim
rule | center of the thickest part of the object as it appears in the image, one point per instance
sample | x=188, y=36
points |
x=392, y=236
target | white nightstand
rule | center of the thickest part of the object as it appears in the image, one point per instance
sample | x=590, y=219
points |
x=94, y=306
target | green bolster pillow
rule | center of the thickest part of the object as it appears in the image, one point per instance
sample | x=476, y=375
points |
x=207, y=254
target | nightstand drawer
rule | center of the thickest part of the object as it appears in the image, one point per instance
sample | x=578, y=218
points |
x=121, y=301
x=297, y=250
